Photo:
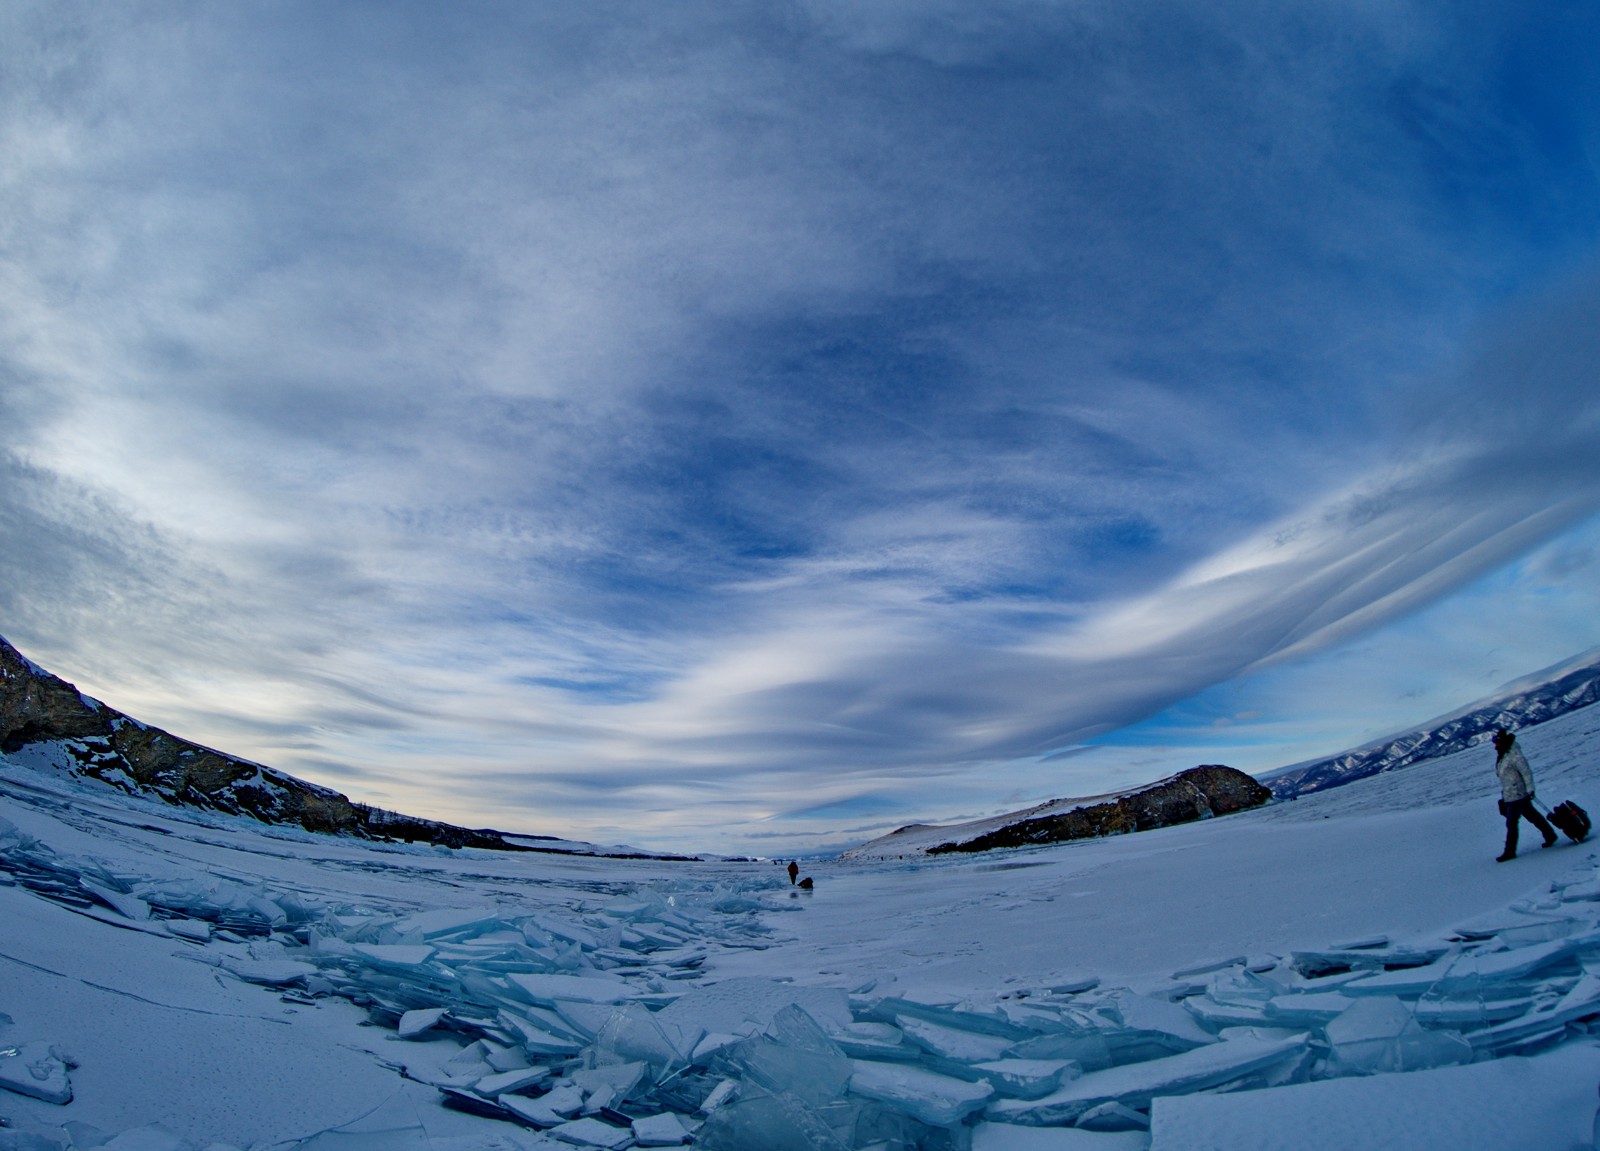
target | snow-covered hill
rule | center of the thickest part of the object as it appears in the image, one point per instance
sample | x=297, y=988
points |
x=1348, y=970
x=1536, y=699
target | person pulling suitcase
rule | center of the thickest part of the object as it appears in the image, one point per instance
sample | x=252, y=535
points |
x=1516, y=790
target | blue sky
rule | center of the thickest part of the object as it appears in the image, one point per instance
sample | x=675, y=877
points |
x=754, y=427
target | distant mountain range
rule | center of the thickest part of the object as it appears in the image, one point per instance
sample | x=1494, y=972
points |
x=46, y=721
x=1533, y=700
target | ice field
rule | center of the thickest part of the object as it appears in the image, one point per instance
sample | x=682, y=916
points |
x=1350, y=970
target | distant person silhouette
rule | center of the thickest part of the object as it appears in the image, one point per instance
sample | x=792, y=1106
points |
x=1516, y=790
x=794, y=870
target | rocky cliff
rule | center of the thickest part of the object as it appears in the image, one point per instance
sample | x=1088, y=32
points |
x=101, y=743
x=1199, y=793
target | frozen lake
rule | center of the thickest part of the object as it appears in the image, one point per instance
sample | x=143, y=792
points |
x=1353, y=962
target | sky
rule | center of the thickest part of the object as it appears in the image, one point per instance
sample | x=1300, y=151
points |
x=753, y=427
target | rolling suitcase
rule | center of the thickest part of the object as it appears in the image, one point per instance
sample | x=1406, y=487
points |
x=1571, y=820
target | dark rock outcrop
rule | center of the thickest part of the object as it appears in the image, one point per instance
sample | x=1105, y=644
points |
x=1199, y=793
x=102, y=743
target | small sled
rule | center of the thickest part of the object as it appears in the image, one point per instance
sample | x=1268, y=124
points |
x=1571, y=820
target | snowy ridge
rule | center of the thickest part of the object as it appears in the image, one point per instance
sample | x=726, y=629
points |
x=1533, y=700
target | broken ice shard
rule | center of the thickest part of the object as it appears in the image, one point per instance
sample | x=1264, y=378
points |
x=1137, y=1083
x=537, y=1040
x=414, y=1023
x=394, y=956
x=954, y=1043
x=927, y=1096
x=130, y=906
x=1112, y=1117
x=875, y=1041
x=664, y=1130
x=1379, y=1034
x=1466, y=971
x=505, y=1082
x=815, y=1076
x=1144, y=1028
x=532, y=1111
x=196, y=930
x=269, y=972
x=447, y=921
x=36, y=1070
x=1469, y=1006
x=730, y=1006
x=551, y=990
x=566, y=1100
x=593, y=1133
x=1027, y=1078
x=1308, y=1009
x=613, y=1083
x=767, y=1122
x=631, y=1034
x=1545, y=1022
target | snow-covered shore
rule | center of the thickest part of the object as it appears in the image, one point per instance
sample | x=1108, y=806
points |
x=243, y=988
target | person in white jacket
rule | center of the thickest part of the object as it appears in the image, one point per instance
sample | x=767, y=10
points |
x=1516, y=791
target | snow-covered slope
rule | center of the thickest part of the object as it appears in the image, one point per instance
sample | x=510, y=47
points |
x=1535, y=699
x=227, y=982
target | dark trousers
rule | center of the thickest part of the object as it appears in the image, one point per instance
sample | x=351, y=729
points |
x=1523, y=809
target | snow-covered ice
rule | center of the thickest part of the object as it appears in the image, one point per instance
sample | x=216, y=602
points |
x=36, y=1070
x=935, y=1099
x=1351, y=967
x=414, y=1023
x=1503, y=1105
